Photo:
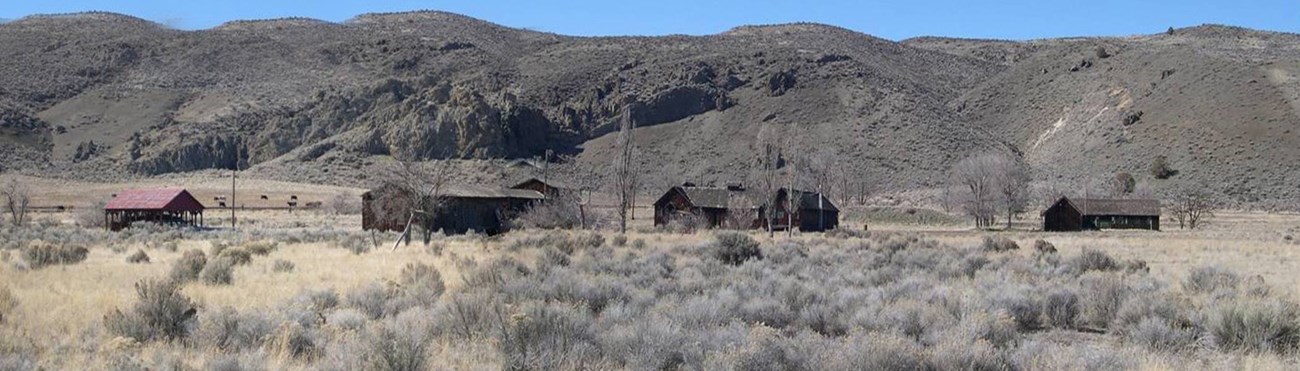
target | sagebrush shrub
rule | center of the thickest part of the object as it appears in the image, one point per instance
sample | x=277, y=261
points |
x=356, y=244
x=281, y=265
x=228, y=329
x=188, y=267
x=1102, y=294
x=370, y=299
x=1255, y=325
x=160, y=312
x=262, y=248
x=998, y=244
x=546, y=337
x=422, y=283
x=7, y=304
x=39, y=254
x=1210, y=279
x=620, y=240
x=1161, y=335
x=237, y=256
x=735, y=248
x=1061, y=308
x=138, y=257
x=219, y=272
x=1093, y=260
x=292, y=340
x=399, y=344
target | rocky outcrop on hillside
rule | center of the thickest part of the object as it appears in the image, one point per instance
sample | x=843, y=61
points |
x=101, y=93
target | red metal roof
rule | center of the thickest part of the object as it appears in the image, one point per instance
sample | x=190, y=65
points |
x=167, y=199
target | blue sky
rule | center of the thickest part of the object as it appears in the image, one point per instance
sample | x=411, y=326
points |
x=892, y=19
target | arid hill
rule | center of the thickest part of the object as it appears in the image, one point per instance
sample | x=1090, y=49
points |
x=107, y=95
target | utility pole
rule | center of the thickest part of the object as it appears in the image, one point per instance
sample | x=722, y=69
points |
x=233, y=173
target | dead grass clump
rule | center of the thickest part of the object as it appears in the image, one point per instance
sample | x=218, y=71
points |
x=188, y=267
x=735, y=248
x=219, y=271
x=160, y=312
x=39, y=254
x=138, y=257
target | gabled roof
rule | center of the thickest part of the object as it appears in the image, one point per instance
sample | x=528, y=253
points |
x=467, y=191
x=813, y=201
x=708, y=197
x=1117, y=207
x=162, y=199
x=549, y=183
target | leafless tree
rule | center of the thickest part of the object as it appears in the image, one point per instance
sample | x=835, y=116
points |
x=18, y=197
x=978, y=177
x=1012, y=181
x=792, y=179
x=741, y=212
x=422, y=187
x=768, y=164
x=1192, y=208
x=624, y=170
x=1121, y=185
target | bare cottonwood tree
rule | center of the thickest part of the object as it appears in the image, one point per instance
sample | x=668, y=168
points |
x=624, y=170
x=741, y=212
x=422, y=187
x=792, y=179
x=768, y=164
x=977, y=176
x=1191, y=208
x=18, y=198
x=1012, y=180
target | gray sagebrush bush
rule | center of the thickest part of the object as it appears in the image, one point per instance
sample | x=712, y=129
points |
x=1093, y=260
x=39, y=254
x=236, y=362
x=1210, y=279
x=371, y=299
x=138, y=257
x=219, y=272
x=422, y=282
x=735, y=248
x=957, y=354
x=8, y=302
x=1061, y=308
x=261, y=248
x=292, y=340
x=400, y=343
x=998, y=244
x=547, y=337
x=282, y=266
x=188, y=267
x=236, y=255
x=880, y=351
x=1159, y=334
x=160, y=312
x=230, y=330
x=1102, y=295
x=1260, y=325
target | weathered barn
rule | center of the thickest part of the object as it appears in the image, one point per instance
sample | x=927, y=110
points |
x=1094, y=214
x=712, y=205
x=463, y=209
x=815, y=212
x=549, y=187
x=171, y=206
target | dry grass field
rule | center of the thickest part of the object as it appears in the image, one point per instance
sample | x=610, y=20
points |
x=904, y=295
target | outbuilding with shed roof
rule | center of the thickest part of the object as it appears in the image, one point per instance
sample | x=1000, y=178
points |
x=1093, y=214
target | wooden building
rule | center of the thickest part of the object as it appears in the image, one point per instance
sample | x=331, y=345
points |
x=170, y=206
x=814, y=212
x=1094, y=214
x=464, y=208
x=712, y=205
x=549, y=187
